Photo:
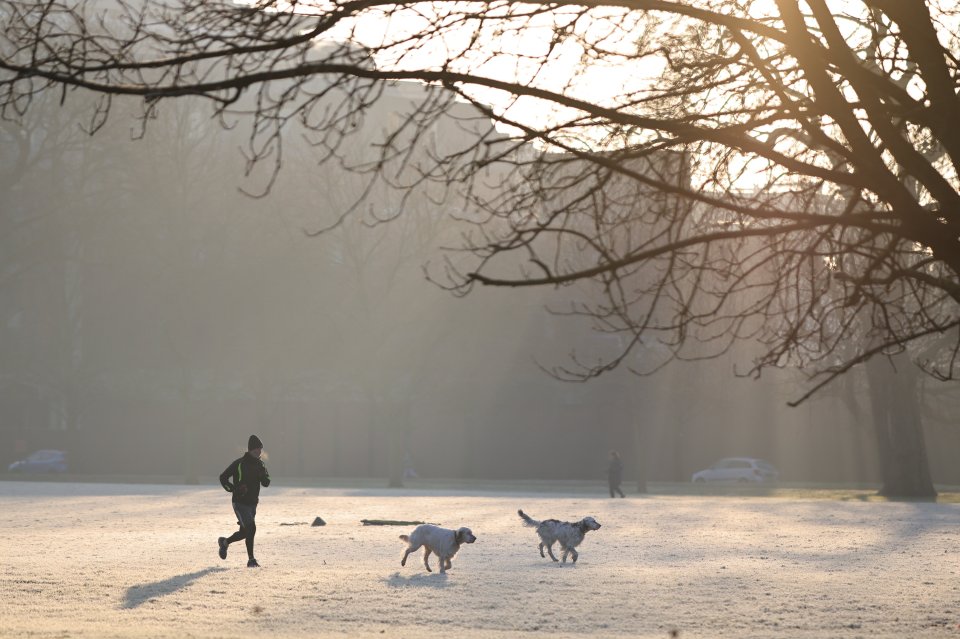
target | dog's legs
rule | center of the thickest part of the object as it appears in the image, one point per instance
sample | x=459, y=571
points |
x=575, y=554
x=449, y=563
x=566, y=551
x=444, y=564
x=541, y=550
x=411, y=548
x=550, y=551
x=426, y=560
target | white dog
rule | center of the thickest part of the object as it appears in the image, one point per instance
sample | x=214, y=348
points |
x=442, y=542
x=569, y=534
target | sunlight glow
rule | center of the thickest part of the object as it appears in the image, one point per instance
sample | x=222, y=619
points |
x=607, y=56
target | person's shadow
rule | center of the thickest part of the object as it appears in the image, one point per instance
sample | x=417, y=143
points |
x=141, y=593
x=420, y=580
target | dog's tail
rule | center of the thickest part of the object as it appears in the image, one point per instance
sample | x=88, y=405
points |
x=405, y=538
x=527, y=520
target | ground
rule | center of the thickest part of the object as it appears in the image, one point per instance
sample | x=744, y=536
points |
x=114, y=560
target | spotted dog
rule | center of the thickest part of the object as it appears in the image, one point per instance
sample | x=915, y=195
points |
x=442, y=542
x=569, y=534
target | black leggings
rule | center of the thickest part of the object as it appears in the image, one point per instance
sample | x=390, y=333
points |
x=246, y=533
x=615, y=487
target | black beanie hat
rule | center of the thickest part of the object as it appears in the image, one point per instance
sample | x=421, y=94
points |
x=254, y=442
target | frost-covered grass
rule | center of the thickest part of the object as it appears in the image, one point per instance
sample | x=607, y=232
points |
x=113, y=560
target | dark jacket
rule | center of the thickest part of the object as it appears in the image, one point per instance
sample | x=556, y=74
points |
x=615, y=471
x=244, y=477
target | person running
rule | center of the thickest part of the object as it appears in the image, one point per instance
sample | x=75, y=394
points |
x=243, y=478
x=615, y=473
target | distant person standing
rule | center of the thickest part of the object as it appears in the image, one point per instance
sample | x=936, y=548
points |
x=243, y=478
x=615, y=473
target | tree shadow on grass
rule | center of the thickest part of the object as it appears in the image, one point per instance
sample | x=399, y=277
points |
x=421, y=580
x=141, y=593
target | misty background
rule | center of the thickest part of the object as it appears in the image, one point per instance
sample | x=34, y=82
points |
x=155, y=310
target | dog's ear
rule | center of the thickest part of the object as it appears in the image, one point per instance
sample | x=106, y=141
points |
x=458, y=536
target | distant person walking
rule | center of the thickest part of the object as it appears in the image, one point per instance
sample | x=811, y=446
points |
x=243, y=478
x=615, y=473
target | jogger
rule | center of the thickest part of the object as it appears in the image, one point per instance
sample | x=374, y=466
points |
x=243, y=478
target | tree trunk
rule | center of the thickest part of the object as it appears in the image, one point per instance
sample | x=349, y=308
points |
x=904, y=467
x=640, y=453
x=372, y=432
x=190, y=475
x=397, y=440
x=189, y=457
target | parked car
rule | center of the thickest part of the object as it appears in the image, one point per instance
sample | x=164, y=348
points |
x=42, y=461
x=738, y=469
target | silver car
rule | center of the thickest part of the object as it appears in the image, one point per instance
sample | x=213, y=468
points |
x=42, y=461
x=738, y=469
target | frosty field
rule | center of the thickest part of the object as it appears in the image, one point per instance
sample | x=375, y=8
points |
x=110, y=560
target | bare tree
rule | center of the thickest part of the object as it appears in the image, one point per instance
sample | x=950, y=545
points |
x=45, y=246
x=720, y=170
